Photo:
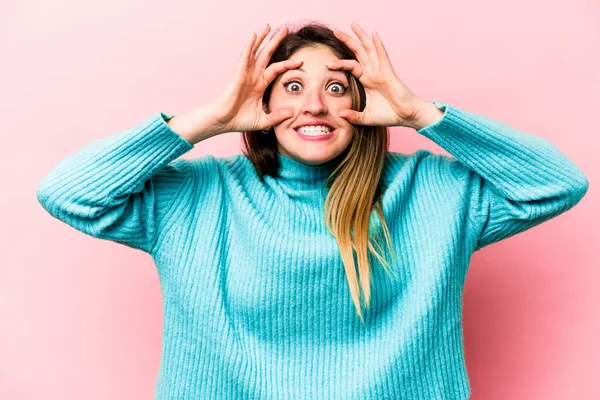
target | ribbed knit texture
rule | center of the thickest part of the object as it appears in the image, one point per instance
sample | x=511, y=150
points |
x=256, y=300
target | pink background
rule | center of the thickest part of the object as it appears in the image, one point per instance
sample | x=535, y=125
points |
x=82, y=318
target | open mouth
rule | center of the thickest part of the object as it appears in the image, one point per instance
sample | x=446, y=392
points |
x=315, y=133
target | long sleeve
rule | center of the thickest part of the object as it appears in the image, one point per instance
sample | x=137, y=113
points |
x=511, y=180
x=120, y=187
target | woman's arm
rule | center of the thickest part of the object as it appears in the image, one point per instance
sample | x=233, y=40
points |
x=120, y=187
x=512, y=180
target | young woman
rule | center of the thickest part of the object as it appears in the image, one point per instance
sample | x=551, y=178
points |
x=267, y=258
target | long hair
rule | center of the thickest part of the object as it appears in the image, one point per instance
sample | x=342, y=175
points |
x=354, y=185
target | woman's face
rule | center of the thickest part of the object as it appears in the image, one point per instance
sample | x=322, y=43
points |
x=315, y=94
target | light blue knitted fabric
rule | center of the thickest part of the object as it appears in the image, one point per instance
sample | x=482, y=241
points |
x=256, y=301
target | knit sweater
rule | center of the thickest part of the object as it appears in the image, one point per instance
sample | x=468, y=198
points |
x=256, y=300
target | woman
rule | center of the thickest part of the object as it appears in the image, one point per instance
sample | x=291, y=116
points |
x=263, y=256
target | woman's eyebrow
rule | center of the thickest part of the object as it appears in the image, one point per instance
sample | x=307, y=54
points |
x=303, y=70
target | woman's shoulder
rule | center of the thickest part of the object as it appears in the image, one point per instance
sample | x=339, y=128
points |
x=420, y=159
x=424, y=164
x=220, y=168
x=416, y=156
x=210, y=161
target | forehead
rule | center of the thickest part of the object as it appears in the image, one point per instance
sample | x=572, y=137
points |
x=314, y=60
x=314, y=52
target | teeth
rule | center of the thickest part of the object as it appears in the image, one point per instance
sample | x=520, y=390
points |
x=314, y=130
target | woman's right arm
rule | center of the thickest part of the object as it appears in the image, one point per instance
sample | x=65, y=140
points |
x=121, y=187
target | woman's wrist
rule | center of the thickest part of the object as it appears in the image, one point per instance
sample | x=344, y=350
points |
x=196, y=125
x=427, y=114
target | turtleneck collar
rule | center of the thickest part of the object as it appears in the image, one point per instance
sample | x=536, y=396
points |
x=300, y=176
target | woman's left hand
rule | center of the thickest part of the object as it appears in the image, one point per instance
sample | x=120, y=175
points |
x=389, y=101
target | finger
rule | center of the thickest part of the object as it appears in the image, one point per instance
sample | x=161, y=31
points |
x=245, y=55
x=381, y=51
x=353, y=44
x=278, y=68
x=367, y=43
x=362, y=35
x=264, y=55
x=260, y=39
x=349, y=65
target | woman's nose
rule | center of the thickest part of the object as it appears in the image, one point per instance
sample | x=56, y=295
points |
x=314, y=103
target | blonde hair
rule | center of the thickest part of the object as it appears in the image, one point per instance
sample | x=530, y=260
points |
x=355, y=187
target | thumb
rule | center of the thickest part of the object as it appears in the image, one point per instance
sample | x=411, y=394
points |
x=278, y=116
x=352, y=116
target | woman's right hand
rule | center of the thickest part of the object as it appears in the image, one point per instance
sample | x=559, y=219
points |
x=240, y=107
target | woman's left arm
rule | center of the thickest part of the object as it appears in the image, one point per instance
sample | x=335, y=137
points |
x=513, y=180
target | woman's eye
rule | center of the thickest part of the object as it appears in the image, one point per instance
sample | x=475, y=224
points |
x=291, y=84
x=342, y=87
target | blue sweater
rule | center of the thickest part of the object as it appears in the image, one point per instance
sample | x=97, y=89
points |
x=256, y=301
